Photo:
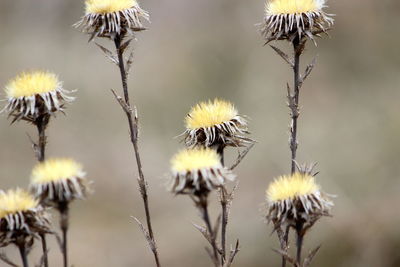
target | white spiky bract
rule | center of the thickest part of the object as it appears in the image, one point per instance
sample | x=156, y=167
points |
x=198, y=171
x=34, y=94
x=108, y=21
x=295, y=198
x=58, y=180
x=287, y=19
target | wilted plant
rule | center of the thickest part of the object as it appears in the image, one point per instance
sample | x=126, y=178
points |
x=56, y=183
x=35, y=97
x=295, y=201
x=199, y=170
x=22, y=219
x=118, y=20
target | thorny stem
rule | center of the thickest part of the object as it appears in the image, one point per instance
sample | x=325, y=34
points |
x=23, y=253
x=295, y=106
x=41, y=124
x=63, y=208
x=133, y=128
x=206, y=218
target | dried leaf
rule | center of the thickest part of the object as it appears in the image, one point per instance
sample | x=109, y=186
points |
x=125, y=45
x=122, y=103
x=283, y=55
x=129, y=63
x=287, y=257
x=308, y=71
x=146, y=233
x=110, y=55
x=241, y=156
x=204, y=232
x=310, y=257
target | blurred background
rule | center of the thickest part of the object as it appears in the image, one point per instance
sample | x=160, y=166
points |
x=198, y=50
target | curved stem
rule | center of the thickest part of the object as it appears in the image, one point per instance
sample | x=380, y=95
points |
x=133, y=128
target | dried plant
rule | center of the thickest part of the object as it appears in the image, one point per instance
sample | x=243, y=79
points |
x=199, y=170
x=22, y=220
x=35, y=97
x=56, y=183
x=295, y=201
x=118, y=21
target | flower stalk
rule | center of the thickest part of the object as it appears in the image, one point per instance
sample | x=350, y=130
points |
x=294, y=100
x=63, y=208
x=133, y=129
x=41, y=124
x=23, y=253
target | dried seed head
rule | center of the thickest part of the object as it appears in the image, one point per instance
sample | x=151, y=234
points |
x=198, y=171
x=287, y=19
x=107, y=18
x=34, y=94
x=296, y=198
x=215, y=122
x=21, y=216
x=58, y=180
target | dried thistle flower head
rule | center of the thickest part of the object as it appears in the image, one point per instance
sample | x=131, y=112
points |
x=287, y=19
x=198, y=171
x=215, y=122
x=296, y=199
x=56, y=181
x=21, y=217
x=106, y=18
x=34, y=94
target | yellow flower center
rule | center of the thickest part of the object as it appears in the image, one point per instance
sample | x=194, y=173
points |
x=53, y=170
x=30, y=84
x=195, y=159
x=291, y=186
x=108, y=6
x=276, y=7
x=14, y=201
x=207, y=114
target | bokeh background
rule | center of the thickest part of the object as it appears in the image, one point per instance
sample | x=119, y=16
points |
x=197, y=50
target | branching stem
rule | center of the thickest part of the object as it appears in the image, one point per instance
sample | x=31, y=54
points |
x=133, y=128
